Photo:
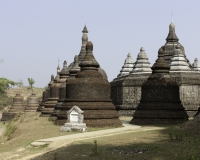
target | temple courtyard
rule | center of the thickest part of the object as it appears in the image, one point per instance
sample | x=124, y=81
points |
x=37, y=138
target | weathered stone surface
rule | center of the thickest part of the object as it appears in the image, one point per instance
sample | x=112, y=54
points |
x=16, y=108
x=189, y=90
x=41, y=104
x=75, y=120
x=127, y=67
x=91, y=93
x=83, y=53
x=64, y=75
x=75, y=67
x=47, y=109
x=33, y=104
x=178, y=62
x=171, y=43
x=160, y=102
x=188, y=81
x=142, y=64
x=126, y=90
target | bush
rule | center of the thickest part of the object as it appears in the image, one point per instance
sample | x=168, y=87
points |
x=5, y=101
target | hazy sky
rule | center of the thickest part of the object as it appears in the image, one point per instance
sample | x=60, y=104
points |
x=34, y=34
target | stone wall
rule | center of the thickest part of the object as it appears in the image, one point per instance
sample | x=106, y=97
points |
x=126, y=92
x=189, y=90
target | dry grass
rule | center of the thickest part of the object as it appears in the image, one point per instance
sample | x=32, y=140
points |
x=29, y=129
x=146, y=145
x=25, y=92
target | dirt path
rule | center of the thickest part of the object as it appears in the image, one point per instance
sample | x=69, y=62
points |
x=61, y=141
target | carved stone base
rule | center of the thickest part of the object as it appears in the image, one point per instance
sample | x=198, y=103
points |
x=77, y=127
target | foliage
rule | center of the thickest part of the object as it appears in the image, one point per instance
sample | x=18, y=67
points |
x=31, y=81
x=10, y=129
x=12, y=126
x=5, y=101
x=20, y=83
x=5, y=84
x=95, y=149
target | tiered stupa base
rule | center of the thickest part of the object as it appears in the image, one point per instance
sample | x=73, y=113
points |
x=56, y=111
x=151, y=113
x=6, y=116
x=96, y=114
x=49, y=107
x=33, y=108
x=41, y=106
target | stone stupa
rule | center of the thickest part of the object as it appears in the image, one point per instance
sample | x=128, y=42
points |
x=126, y=91
x=33, y=104
x=64, y=75
x=51, y=102
x=127, y=67
x=83, y=52
x=196, y=65
x=91, y=93
x=160, y=102
x=44, y=109
x=16, y=108
x=41, y=104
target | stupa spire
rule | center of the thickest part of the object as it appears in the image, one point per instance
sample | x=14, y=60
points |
x=172, y=37
x=89, y=62
x=142, y=64
x=75, y=68
x=64, y=73
x=58, y=68
x=127, y=67
x=160, y=66
x=196, y=65
x=85, y=29
x=84, y=42
x=52, y=79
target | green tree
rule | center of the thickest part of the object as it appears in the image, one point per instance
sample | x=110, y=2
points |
x=5, y=84
x=31, y=81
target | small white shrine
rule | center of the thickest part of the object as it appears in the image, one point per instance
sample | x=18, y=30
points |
x=75, y=119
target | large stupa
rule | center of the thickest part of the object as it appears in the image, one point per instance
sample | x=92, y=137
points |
x=91, y=93
x=160, y=102
x=126, y=90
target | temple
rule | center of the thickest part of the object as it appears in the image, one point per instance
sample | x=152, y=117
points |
x=160, y=102
x=126, y=90
x=91, y=93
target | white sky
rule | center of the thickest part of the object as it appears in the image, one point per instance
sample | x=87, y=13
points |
x=34, y=34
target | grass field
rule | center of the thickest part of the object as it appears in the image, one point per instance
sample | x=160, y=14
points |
x=171, y=143
x=146, y=145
